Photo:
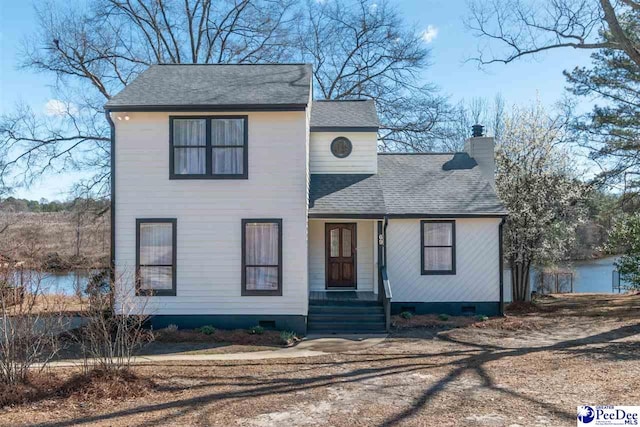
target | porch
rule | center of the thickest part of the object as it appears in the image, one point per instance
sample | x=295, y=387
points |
x=345, y=293
x=334, y=297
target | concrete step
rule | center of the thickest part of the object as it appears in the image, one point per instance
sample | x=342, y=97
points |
x=345, y=309
x=348, y=317
x=344, y=326
x=345, y=302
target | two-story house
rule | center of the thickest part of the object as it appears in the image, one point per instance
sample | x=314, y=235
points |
x=238, y=200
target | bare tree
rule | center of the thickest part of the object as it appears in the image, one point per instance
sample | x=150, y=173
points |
x=364, y=49
x=526, y=27
x=360, y=49
x=468, y=113
x=96, y=49
x=611, y=131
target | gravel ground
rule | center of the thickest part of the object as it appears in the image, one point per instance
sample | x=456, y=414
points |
x=531, y=368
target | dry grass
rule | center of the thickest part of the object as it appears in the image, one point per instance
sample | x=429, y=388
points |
x=431, y=321
x=587, y=350
x=34, y=237
x=55, y=304
x=236, y=336
x=76, y=387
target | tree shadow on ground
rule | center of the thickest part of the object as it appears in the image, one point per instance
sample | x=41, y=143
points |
x=471, y=360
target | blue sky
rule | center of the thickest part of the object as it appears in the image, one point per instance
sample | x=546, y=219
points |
x=451, y=43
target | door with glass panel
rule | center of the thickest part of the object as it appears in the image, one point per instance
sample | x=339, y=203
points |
x=340, y=256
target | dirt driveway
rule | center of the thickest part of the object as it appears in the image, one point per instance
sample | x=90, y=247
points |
x=531, y=368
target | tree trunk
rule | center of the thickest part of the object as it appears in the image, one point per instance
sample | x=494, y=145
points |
x=520, y=283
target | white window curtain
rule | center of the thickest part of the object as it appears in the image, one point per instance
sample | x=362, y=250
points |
x=262, y=256
x=190, y=142
x=438, y=246
x=156, y=256
x=227, y=142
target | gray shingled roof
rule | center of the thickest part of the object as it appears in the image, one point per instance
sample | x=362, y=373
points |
x=408, y=184
x=217, y=85
x=344, y=114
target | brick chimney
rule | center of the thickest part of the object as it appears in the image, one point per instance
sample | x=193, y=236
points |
x=482, y=149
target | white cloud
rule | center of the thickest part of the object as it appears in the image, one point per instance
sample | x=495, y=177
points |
x=57, y=108
x=429, y=34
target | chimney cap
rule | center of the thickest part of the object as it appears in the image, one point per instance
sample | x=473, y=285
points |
x=477, y=131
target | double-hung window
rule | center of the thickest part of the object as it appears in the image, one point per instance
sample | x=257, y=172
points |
x=208, y=147
x=438, y=247
x=156, y=256
x=261, y=257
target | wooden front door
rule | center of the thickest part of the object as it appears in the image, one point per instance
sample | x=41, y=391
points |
x=340, y=241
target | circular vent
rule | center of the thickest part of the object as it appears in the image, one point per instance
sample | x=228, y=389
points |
x=341, y=147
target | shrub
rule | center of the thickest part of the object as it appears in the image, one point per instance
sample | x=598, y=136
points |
x=256, y=330
x=288, y=337
x=112, y=334
x=207, y=330
x=482, y=318
x=444, y=317
x=406, y=315
x=31, y=323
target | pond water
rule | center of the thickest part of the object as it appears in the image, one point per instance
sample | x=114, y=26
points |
x=589, y=276
x=68, y=283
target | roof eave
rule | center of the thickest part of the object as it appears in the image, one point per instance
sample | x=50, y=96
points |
x=328, y=215
x=212, y=107
x=343, y=128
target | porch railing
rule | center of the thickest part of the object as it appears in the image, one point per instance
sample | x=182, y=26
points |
x=385, y=296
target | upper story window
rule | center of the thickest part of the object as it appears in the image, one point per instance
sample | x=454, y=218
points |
x=438, y=247
x=208, y=147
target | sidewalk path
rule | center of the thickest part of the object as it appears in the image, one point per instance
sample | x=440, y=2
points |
x=312, y=345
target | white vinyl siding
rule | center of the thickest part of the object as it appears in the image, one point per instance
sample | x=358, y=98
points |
x=363, y=157
x=364, y=254
x=477, y=275
x=209, y=213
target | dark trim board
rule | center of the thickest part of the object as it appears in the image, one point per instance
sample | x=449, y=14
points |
x=345, y=216
x=215, y=108
x=282, y=322
x=453, y=308
x=399, y=216
x=112, y=182
x=342, y=129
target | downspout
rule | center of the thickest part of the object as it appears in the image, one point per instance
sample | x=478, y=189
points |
x=387, y=297
x=112, y=255
x=501, y=266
